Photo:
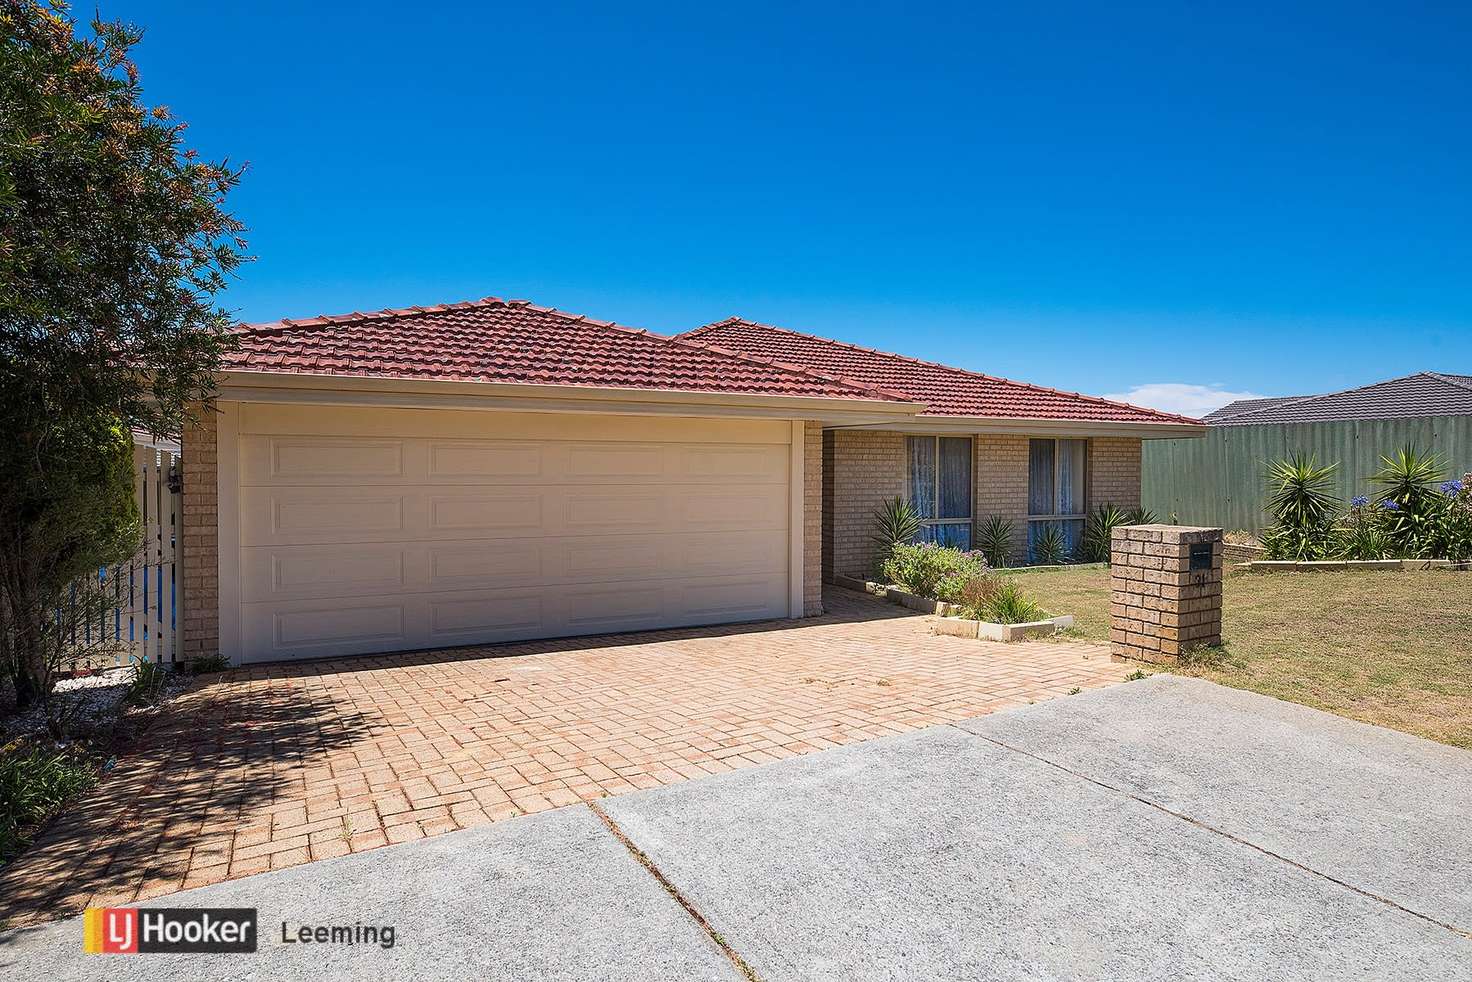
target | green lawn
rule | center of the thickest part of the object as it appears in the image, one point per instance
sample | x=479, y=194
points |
x=1391, y=648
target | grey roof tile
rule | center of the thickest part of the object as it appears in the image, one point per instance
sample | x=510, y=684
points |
x=1422, y=394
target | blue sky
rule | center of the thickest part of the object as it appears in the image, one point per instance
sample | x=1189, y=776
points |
x=1265, y=200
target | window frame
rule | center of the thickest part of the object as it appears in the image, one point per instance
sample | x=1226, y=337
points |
x=935, y=492
x=1057, y=490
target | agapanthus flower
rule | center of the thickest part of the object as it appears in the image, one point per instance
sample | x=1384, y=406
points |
x=1360, y=501
x=1451, y=487
x=1389, y=505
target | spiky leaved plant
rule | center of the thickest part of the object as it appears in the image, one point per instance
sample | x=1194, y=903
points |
x=1409, y=499
x=994, y=540
x=1050, y=548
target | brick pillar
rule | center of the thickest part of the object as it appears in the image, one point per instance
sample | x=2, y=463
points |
x=812, y=519
x=199, y=554
x=1165, y=591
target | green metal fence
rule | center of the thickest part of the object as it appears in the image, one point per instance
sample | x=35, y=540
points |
x=1219, y=480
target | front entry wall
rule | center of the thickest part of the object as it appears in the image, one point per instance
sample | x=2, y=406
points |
x=862, y=469
x=365, y=530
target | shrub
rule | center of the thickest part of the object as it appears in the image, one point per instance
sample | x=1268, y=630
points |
x=146, y=684
x=1454, y=520
x=1362, y=535
x=34, y=785
x=1005, y=603
x=994, y=540
x=922, y=567
x=60, y=527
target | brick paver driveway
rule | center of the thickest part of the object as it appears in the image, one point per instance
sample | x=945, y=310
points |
x=265, y=768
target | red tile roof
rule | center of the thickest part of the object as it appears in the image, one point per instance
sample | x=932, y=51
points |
x=495, y=340
x=945, y=391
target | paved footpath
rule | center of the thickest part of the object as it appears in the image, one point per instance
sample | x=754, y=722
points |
x=1164, y=829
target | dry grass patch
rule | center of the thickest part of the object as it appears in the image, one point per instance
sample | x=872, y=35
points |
x=1390, y=648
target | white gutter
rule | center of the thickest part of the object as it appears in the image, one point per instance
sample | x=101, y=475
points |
x=1041, y=427
x=357, y=390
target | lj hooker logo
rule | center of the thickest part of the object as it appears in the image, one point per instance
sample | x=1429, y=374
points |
x=163, y=930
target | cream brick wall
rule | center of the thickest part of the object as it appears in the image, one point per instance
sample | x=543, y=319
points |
x=199, y=523
x=812, y=518
x=1114, y=472
x=865, y=468
x=1001, y=485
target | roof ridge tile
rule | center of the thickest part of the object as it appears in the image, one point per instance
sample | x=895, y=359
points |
x=436, y=356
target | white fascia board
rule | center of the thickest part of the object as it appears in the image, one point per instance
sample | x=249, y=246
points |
x=398, y=393
x=1040, y=427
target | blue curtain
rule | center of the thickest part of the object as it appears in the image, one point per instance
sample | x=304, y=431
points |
x=922, y=475
x=1071, y=456
x=1040, y=477
x=955, y=477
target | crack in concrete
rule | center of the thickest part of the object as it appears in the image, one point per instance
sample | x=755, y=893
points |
x=689, y=907
x=1221, y=832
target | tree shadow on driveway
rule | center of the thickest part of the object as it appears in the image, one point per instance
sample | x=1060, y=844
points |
x=212, y=763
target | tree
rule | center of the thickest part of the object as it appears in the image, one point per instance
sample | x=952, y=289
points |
x=82, y=518
x=114, y=242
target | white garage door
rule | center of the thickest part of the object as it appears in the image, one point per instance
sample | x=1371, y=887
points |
x=369, y=530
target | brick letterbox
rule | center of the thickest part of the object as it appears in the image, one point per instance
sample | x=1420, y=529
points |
x=1165, y=590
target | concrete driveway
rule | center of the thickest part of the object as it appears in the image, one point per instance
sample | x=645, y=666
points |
x=1164, y=829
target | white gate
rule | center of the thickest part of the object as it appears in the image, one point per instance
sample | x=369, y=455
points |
x=143, y=622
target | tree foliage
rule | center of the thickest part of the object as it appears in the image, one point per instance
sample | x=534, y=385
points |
x=114, y=241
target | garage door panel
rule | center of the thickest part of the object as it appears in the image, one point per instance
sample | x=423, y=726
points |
x=618, y=607
x=603, y=462
x=321, y=515
x=505, y=460
x=731, y=553
x=314, y=629
x=727, y=599
x=729, y=507
x=322, y=460
x=601, y=558
x=459, y=529
x=613, y=510
x=494, y=511
x=486, y=563
x=485, y=616
x=304, y=572
x=749, y=465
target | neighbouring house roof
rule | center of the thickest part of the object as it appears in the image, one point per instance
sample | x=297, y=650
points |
x=514, y=341
x=946, y=391
x=1422, y=394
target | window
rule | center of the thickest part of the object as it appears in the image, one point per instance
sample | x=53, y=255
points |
x=1055, y=490
x=940, y=487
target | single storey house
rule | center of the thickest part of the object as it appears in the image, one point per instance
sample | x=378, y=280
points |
x=497, y=471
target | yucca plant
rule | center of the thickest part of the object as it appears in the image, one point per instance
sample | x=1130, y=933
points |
x=1300, y=492
x=1050, y=548
x=1410, y=503
x=896, y=524
x=1099, y=529
x=1303, y=506
x=994, y=540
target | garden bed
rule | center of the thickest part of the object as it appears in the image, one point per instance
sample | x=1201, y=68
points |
x=952, y=622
